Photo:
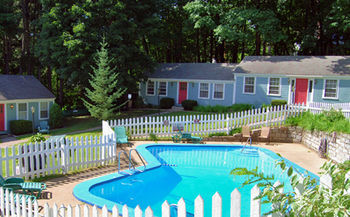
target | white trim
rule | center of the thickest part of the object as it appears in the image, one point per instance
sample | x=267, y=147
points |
x=166, y=88
x=48, y=111
x=154, y=88
x=324, y=89
x=199, y=91
x=333, y=77
x=223, y=92
x=279, y=88
x=290, y=89
x=17, y=107
x=312, y=91
x=27, y=100
x=243, y=91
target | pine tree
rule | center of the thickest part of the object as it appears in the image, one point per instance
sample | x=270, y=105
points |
x=105, y=87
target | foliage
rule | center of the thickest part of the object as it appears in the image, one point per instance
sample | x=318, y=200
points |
x=217, y=134
x=19, y=127
x=277, y=102
x=235, y=131
x=224, y=109
x=166, y=103
x=56, y=116
x=153, y=137
x=189, y=104
x=105, y=87
x=327, y=121
x=37, y=138
x=314, y=199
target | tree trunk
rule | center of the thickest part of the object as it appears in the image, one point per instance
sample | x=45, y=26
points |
x=48, y=78
x=211, y=46
x=264, y=48
x=7, y=53
x=26, y=67
x=197, y=47
x=243, y=51
x=235, y=52
x=257, y=43
x=204, y=56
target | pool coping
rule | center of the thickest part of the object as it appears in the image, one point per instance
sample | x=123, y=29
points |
x=82, y=190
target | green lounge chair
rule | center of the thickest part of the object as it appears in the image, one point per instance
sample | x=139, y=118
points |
x=121, y=136
x=43, y=127
x=19, y=184
x=186, y=136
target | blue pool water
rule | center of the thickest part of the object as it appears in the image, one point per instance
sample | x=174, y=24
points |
x=187, y=171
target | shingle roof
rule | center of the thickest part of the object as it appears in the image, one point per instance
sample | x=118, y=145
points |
x=296, y=65
x=194, y=71
x=14, y=87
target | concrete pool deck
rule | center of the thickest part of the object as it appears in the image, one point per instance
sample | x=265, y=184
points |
x=59, y=190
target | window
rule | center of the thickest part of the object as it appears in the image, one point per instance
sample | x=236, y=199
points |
x=274, y=86
x=162, y=88
x=330, y=89
x=249, y=85
x=218, y=91
x=203, y=90
x=150, y=88
x=22, y=111
x=44, y=110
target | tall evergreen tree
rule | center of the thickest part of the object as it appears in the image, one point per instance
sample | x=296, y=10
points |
x=105, y=87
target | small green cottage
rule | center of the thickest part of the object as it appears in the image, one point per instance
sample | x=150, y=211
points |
x=22, y=98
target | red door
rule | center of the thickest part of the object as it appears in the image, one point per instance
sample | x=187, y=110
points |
x=301, y=90
x=2, y=117
x=182, y=91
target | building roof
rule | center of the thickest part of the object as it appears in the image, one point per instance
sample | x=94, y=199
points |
x=296, y=65
x=13, y=87
x=194, y=71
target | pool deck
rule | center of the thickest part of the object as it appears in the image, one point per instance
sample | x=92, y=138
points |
x=59, y=190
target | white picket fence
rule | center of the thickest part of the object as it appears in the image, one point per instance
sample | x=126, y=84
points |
x=46, y=158
x=318, y=107
x=165, y=126
x=12, y=204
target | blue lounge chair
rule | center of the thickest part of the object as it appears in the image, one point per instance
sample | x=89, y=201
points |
x=121, y=136
x=44, y=127
x=19, y=184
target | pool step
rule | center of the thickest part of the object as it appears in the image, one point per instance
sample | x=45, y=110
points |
x=249, y=152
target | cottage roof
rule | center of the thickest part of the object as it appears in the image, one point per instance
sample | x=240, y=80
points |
x=194, y=71
x=14, y=87
x=296, y=65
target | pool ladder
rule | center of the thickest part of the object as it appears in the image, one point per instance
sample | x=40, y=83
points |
x=131, y=164
x=249, y=141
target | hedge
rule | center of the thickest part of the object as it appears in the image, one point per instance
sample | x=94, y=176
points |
x=189, y=104
x=166, y=103
x=19, y=127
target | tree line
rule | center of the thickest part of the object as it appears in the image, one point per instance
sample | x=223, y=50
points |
x=56, y=40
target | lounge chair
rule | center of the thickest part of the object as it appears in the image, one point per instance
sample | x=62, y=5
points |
x=121, y=136
x=186, y=136
x=43, y=127
x=246, y=133
x=19, y=184
x=265, y=134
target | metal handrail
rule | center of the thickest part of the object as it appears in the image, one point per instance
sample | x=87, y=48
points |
x=138, y=154
x=126, y=155
x=249, y=140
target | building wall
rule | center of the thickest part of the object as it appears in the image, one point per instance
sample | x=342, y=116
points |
x=344, y=90
x=260, y=97
x=11, y=114
x=193, y=94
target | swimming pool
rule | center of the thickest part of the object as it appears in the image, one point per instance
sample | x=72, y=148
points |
x=184, y=171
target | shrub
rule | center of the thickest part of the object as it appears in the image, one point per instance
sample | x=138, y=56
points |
x=166, y=103
x=153, y=137
x=277, y=102
x=56, y=116
x=235, y=130
x=37, y=138
x=241, y=107
x=189, y=104
x=217, y=134
x=18, y=127
x=224, y=109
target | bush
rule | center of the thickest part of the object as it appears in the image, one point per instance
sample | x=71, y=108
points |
x=166, y=103
x=19, y=127
x=37, y=138
x=153, y=137
x=236, y=130
x=56, y=116
x=217, y=134
x=277, y=102
x=224, y=109
x=189, y=104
